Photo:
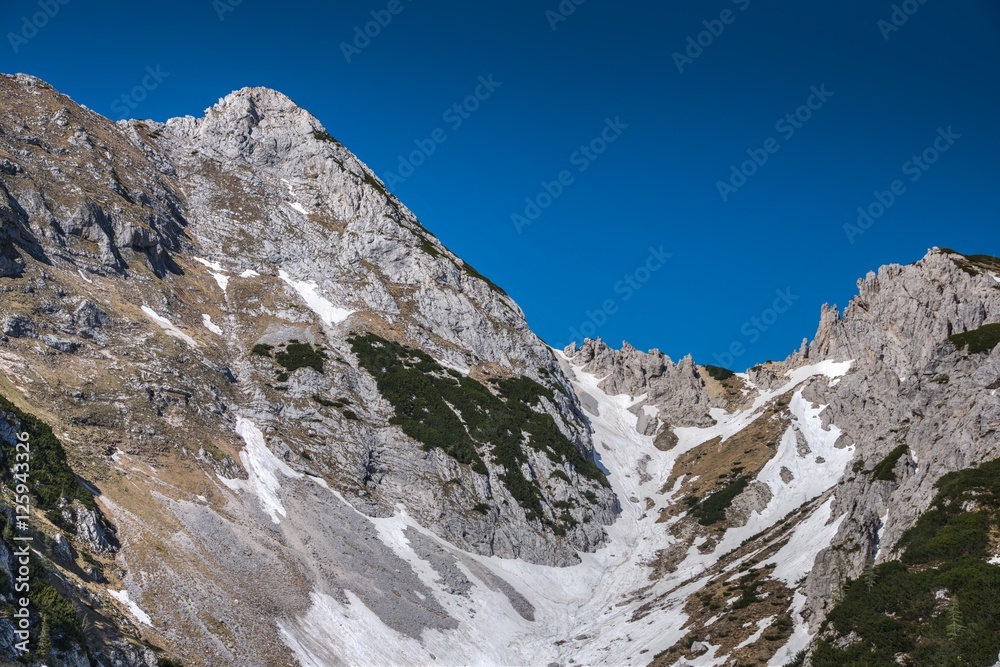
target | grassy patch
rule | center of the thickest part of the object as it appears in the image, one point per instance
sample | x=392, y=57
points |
x=323, y=135
x=465, y=266
x=429, y=247
x=884, y=470
x=375, y=183
x=262, y=350
x=974, y=265
x=983, y=339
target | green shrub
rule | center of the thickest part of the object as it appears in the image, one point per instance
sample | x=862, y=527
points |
x=465, y=266
x=429, y=247
x=323, y=135
x=482, y=508
x=983, y=339
x=894, y=609
x=713, y=508
x=57, y=614
x=884, y=470
x=322, y=401
x=798, y=660
x=719, y=373
x=300, y=355
x=51, y=477
x=262, y=350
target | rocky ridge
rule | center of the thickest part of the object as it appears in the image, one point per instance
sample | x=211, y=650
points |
x=912, y=398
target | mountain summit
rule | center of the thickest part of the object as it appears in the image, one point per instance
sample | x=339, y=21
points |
x=275, y=421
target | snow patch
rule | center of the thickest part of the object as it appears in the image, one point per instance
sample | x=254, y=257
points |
x=800, y=638
x=168, y=327
x=762, y=625
x=299, y=207
x=262, y=468
x=211, y=326
x=217, y=272
x=249, y=273
x=811, y=477
x=215, y=266
x=134, y=609
x=883, y=520
x=309, y=291
x=795, y=559
x=593, y=598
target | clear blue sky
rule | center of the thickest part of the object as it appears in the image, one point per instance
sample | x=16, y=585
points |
x=655, y=185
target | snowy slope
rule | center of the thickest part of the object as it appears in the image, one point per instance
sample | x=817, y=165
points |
x=582, y=614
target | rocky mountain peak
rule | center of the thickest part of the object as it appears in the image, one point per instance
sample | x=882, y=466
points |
x=259, y=100
x=903, y=313
x=237, y=306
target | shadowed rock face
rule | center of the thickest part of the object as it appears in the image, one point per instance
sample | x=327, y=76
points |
x=72, y=188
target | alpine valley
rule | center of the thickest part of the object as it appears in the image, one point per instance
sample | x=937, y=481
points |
x=272, y=420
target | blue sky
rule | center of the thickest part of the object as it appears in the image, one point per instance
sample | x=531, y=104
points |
x=675, y=200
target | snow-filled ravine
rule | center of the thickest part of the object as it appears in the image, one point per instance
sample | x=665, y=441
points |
x=582, y=614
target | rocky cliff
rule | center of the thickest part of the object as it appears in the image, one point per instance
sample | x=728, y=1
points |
x=197, y=309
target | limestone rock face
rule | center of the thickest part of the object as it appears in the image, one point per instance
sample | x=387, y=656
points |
x=903, y=313
x=142, y=265
x=911, y=388
x=675, y=392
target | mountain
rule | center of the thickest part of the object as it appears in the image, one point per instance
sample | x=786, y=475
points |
x=274, y=421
